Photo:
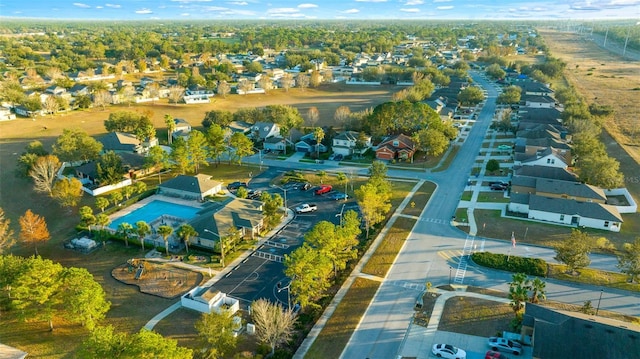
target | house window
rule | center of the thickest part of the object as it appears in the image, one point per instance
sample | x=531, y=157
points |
x=606, y=224
x=396, y=143
x=548, y=160
x=562, y=217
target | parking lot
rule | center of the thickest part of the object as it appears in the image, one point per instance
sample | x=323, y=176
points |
x=476, y=347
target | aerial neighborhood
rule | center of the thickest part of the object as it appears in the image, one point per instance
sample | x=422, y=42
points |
x=316, y=189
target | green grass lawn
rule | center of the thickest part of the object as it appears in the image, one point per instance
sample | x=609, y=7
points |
x=497, y=196
x=466, y=196
x=336, y=333
x=386, y=253
x=450, y=157
x=420, y=199
x=593, y=277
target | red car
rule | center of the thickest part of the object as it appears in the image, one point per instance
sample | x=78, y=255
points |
x=325, y=188
x=494, y=355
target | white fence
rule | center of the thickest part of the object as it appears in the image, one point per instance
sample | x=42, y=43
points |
x=631, y=208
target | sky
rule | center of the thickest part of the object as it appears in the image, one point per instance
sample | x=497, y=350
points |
x=316, y=9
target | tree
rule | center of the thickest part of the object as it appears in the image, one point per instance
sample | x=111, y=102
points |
x=156, y=158
x=537, y=287
x=492, y=165
x=600, y=170
x=432, y=141
x=629, y=260
x=302, y=80
x=216, y=332
x=165, y=232
x=518, y=294
x=318, y=134
x=342, y=114
x=87, y=218
x=33, y=229
x=83, y=298
x=510, y=95
x=197, y=147
x=115, y=197
x=76, y=145
x=186, y=232
x=342, y=178
x=470, y=96
x=110, y=169
x=142, y=230
x=101, y=98
x=105, y=343
x=286, y=81
x=128, y=191
x=311, y=271
x=102, y=220
x=374, y=201
x=223, y=89
x=574, y=251
x=216, y=141
x=337, y=243
x=241, y=145
x=219, y=117
x=322, y=174
x=270, y=209
x=125, y=230
x=274, y=325
x=265, y=83
x=313, y=115
x=50, y=105
x=171, y=126
x=316, y=79
x=495, y=71
x=242, y=192
x=180, y=160
x=244, y=86
x=378, y=170
x=176, y=93
x=68, y=192
x=102, y=203
x=43, y=172
x=6, y=233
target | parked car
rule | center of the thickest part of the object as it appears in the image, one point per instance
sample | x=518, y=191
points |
x=494, y=355
x=498, y=187
x=332, y=157
x=305, y=186
x=448, y=351
x=338, y=195
x=235, y=185
x=504, y=147
x=325, y=188
x=338, y=157
x=254, y=194
x=505, y=345
x=305, y=208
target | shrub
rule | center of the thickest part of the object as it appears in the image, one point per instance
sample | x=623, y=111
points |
x=529, y=266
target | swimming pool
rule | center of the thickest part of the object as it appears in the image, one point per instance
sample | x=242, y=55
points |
x=153, y=210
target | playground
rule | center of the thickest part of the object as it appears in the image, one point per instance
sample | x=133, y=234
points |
x=159, y=279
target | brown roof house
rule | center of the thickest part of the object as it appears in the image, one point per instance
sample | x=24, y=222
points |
x=190, y=187
x=399, y=147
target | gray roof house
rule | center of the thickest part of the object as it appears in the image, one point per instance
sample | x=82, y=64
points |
x=182, y=129
x=563, y=334
x=346, y=143
x=556, y=173
x=125, y=142
x=190, y=187
x=308, y=143
x=574, y=213
x=262, y=130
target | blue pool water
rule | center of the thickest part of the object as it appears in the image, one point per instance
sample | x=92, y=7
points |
x=153, y=210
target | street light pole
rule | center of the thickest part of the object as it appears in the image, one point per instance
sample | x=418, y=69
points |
x=599, y=299
x=221, y=245
x=450, y=275
x=288, y=289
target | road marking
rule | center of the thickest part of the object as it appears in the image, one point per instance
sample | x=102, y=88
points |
x=434, y=220
x=268, y=256
x=276, y=244
x=462, y=265
x=407, y=285
x=453, y=255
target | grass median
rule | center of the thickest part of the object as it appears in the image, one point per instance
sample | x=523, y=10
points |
x=386, y=253
x=420, y=199
x=336, y=333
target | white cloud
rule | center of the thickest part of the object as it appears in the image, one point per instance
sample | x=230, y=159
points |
x=414, y=2
x=238, y=3
x=350, y=11
x=307, y=6
x=185, y=14
x=99, y=7
x=371, y=0
x=188, y=1
x=435, y=1
x=79, y=4
x=115, y=6
x=413, y=9
x=144, y=11
x=215, y=8
x=444, y=7
x=238, y=12
x=282, y=10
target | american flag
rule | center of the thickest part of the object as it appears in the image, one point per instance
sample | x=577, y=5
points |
x=513, y=239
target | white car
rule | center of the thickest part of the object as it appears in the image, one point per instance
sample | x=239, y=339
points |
x=505, y=345
x=448, y=351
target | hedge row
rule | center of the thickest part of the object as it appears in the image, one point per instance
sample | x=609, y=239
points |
x=529, y=266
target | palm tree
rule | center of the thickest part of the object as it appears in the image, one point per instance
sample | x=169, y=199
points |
x=102, y=220
x=538, y=288
x=322, y=175
x=165, y=232
x=186, y=232
x=518, y=292
x=124, y=230
x=342, y=178
x=142, y=229
x=171, y=126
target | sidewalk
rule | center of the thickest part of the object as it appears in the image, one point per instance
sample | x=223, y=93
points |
x=219, y=274
x=328, y=312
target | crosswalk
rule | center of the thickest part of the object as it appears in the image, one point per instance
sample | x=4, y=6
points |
x=434, y=220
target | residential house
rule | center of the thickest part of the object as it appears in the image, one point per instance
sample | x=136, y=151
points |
x=242, y=127
x=536, y=101
x=399, y=147
x=558, y=189
x=555, y=173
x=6, y=115
x=275, y=143
x=309, y=144
x=55, y=90
x=23, y=111
x=125, y=142
x=534, y=88
x=263, y=130
x=79, y=90
x=91, y=75
x=549, y=156
x=182, y=129
x=190, y=187
x=146, y=80
x=346, y=143
x=563, y=334
x=133, y=164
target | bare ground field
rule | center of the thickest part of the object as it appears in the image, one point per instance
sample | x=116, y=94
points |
x=605, y=78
